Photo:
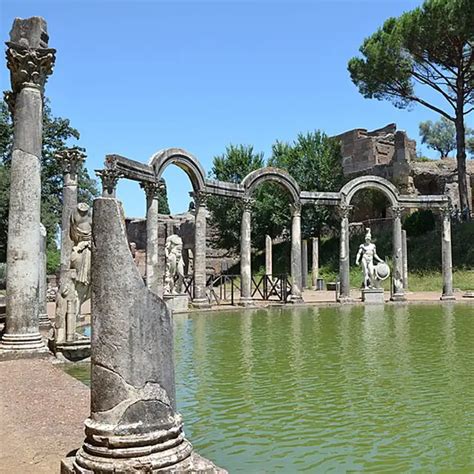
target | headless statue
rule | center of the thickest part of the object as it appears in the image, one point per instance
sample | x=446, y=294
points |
x=174, y=265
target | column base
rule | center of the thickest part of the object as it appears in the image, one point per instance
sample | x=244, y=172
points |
x=448, y=298
x=44, y=321
x=295, y=300
x=201, y=303
x=398, y=297
x=246, y=302
x=15, y=346
x=345, y=300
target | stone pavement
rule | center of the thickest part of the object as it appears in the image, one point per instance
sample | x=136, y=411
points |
x=42, y=413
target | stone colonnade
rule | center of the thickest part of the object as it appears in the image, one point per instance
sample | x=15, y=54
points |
x=30, y=61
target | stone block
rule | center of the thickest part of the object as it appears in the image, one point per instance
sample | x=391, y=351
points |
x=373, y=296
x=177, y=303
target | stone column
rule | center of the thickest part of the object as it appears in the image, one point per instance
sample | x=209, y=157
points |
x=109, y=178
x=43, y=318
x=30, y=62
x=152, y=194
x=296, y=275
x=246, y=254
x=405, y=259
x=70, y=159
x=344, y=263
x=268, y=256
x=315, y=263
x=304, y=263
x=446, y=257
x=398, y=293
x=133, y=424
x=200, y=299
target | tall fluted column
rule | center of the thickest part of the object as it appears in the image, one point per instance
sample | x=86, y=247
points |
x=344, y=263
x=200, y=299
x=268, y=256
x=246, y=254
x=70, y=159
x=296, y=275
x=315, y=263
x=152, y=195
x=398, y=292
x=304, y=263
x=405, y=259
x=109, y=178
x=30, y=62
x=446, y=257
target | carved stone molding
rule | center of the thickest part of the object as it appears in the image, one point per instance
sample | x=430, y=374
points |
x=397, y=212
x=344, y=210
x=247, y=204
x=29, y=67
x=109, y=178
x=296, y=209
x=71, y=159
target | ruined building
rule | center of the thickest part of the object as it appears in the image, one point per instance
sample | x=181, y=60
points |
x=389, y=153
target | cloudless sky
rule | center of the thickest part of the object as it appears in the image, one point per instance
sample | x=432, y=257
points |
x=135, y=77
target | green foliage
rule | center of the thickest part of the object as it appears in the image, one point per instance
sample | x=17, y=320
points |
x=419, y=222
x=440, y=135
x=313, y=160
x=3, y=276
x=163, y=205
x=428, y=49
x=53, y=260
x=57, y=132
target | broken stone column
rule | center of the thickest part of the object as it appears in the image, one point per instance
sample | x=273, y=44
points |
x=109, y=178
x=71, y=159
x=152, y=195
x=246, y=254
x=268, y=256
x=304, y=263
x=398, y=292
x=133, y=424
x=315, y=263
x=446, y=256
x=200, y=299
x=344, y=263
x=30, y=62
x=405, y=259
x=296, y=276
x=43, y=318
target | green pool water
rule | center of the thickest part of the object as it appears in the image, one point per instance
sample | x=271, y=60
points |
x=334, y=389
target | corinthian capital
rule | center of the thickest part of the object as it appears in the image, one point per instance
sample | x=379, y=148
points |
x=70, y=159
x=152, y=188
x=344, y=210
x=247, y=203
x=397, y=211
x=200, y=198
x=296, y=209
x=109, y=178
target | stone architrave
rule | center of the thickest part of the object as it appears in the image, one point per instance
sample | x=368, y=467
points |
x=304, y=263
x=268, y=256
x=246, y=253
x=200, y=205
x=398, y=292
x=446, y=255
x=344, y=295
x=296, y=276
x=315, y=263
x=109, y=178
x=133, y=424
x=152, y=194
x=44, y=321
x=30, y=61
x=405, y=259
x=70, y=159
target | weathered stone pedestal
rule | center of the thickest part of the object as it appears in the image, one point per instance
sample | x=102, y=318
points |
x=73, y=351
x=177, y=303
x=133, y=424
x=373, y=296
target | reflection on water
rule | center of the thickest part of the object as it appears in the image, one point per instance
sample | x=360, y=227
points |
x=330, y=389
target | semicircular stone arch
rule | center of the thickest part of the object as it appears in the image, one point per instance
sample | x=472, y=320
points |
x=276, y=175
x=184, y=160
x=350, y=189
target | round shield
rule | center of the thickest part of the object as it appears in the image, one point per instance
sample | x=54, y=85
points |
x=382, y=271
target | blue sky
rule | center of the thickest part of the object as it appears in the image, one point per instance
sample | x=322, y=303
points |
x=135, y=77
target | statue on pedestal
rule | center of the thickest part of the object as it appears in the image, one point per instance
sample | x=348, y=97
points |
x=174, y=265
x=368, y=253
x=76, y=287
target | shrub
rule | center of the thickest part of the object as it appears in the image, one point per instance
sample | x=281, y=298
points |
x=419, y=223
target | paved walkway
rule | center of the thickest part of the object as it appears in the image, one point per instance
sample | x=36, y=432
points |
x=42, y=413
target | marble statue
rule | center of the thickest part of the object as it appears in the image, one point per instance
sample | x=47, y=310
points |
x=76, y=286
x=174, y=265
x=367, y=254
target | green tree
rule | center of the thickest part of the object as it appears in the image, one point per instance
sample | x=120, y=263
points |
x=57, y=132
x=425, y=57
x=163, y=205
x=232, y=166
x=440, y=136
